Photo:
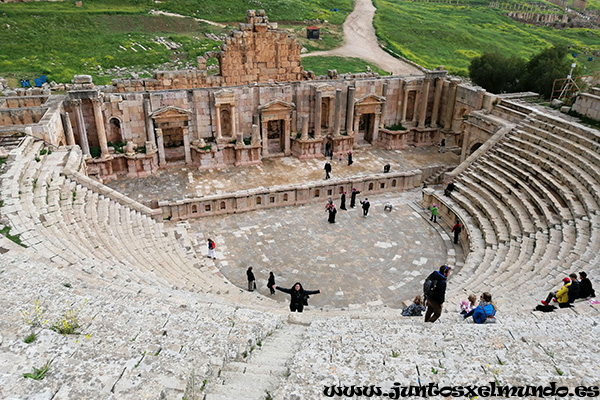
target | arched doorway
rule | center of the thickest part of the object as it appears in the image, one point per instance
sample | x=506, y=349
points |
x=114, y=134
x=474, y=148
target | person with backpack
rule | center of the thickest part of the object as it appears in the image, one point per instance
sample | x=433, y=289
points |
x=434, y=291
x=211, y=249
x=485, y=311
x=457, y=229
x=298, y=295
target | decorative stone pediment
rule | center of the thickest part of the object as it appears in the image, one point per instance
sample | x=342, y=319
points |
x=171, y=113
x=326, y=90
x=276, y=106
x=224, y=96
x=370, y=99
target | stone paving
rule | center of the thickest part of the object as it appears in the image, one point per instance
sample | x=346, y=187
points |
x=373, y=260
x=176, y=184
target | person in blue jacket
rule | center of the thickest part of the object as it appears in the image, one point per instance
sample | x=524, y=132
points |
x=486, y=310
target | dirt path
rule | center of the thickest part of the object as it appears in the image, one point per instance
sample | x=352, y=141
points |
x=360, y=42
x=156, y=12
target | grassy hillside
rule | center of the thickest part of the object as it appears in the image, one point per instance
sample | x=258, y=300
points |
x=277, y=10
x=320, y=65
x=60, y=40
x=433, y=34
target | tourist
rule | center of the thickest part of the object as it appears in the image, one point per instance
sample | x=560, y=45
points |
x=353, y=195
x=386, y=168
x=211, y=249
x=449, y=189
x=585, y=286
x=365, y=207
x=434, y=212
x=485, y=311
x=327, y=169
x=442, y=146
x=350, y=157
x=415, y=309
x=574, y=289
x=434, y=290
x=299, y=296
x=328, y=152
x=457, y=229
x=467, y=305
x=561, y=296
x=251, y=279
x=271, y=283
x=332, y=211
x=343, y=201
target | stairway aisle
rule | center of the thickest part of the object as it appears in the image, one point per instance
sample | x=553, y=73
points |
x=262, y=371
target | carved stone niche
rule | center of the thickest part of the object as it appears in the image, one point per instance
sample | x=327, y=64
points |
x=326, y=98
x=275, y=127
x=226, y=117
x=367, y=112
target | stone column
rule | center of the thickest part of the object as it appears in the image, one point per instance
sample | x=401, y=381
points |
x=85, y=145
x=337, y=113
x=404, y=106
x=160, y=143
x=318, y=101
x=416, y=106
x=356, y=122
x=218, y=122
x=255, y=135
x=68, y=129
x=439, y=82
x=186, y=145
x=265, y=138
x=383, y=94
x=450, y=104
x=234, y=121
x=376, y=128
x=99, y=119
x=424, y=100
x=350, y=110
x=287, y=131
x=149, y=122
x=304, y=135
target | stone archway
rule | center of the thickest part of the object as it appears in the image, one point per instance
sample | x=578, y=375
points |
x=275, y=126
x=115, y=134
x=367, y=112
x=474, y=148
x=172, y=136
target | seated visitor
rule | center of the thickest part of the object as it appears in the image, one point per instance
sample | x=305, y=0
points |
x=467, y=305
x=574, y=289
x=561, y=295
x=449, y=189
x=485, y=311
x=585, y=286
x=415, y=309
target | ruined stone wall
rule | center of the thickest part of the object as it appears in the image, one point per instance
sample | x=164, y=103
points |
x=257, y=52
x=21, y=116
x=588, y=104
x=538, y=18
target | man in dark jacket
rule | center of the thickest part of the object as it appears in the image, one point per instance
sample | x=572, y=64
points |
x=585, y=287
x=574, y=288
x=251, y=279
x=437, y=294
x=327, y=169
x=298, y=296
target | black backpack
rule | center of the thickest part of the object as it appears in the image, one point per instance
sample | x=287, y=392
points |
x=429, y=287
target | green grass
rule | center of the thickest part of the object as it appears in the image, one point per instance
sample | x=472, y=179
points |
x=276, y=10
x=331, y=36
x=60, y=40
x=320, y=65
x=15, y=238
x=433, y=34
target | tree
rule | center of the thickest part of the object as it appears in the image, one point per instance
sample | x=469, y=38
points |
x=544, y=68
x=497, y=73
